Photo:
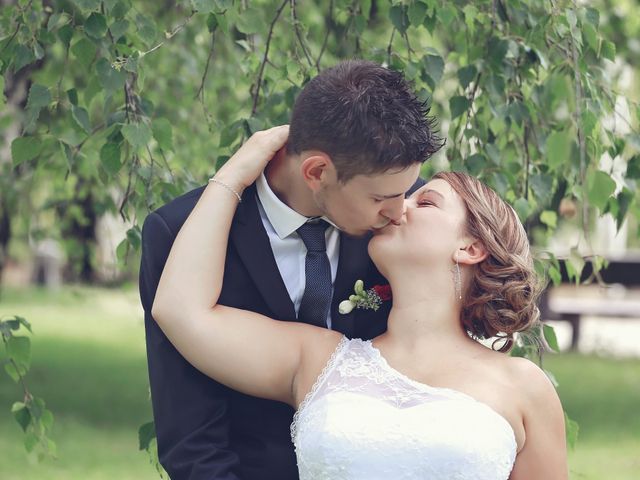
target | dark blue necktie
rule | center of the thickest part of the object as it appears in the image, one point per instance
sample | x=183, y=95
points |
x=316, y=299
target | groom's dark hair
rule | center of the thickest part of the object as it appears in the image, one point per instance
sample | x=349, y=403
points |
x=365, y=117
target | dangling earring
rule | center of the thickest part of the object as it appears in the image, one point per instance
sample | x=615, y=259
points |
x=457, y=279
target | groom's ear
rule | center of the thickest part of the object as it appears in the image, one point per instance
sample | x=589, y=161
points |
x=316, y=169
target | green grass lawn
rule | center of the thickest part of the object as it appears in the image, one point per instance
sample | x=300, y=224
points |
x=89, y=365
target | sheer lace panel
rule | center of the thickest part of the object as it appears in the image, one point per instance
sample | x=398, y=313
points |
x=364, y=420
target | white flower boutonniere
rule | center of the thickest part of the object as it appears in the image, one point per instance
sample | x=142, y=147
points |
x=370, y=299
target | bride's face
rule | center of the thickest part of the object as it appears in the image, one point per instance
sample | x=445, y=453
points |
x=430, y=231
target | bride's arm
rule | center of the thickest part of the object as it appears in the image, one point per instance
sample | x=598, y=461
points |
x=243, y=350
x=544, y=454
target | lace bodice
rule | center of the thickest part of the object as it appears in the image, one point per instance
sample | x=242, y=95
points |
x=363, y=420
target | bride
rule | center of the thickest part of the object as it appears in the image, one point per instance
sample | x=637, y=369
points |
x=424, y=400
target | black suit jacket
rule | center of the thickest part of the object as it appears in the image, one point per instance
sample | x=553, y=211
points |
x=204, y=429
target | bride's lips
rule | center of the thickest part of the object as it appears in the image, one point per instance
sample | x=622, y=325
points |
x=378, y=230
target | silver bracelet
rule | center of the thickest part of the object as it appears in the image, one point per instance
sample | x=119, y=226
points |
x=215, y=180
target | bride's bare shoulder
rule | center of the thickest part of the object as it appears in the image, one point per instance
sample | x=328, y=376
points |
x=528, y=378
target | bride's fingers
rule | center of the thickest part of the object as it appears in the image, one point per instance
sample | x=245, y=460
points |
x=249, y=161
x=272, y=139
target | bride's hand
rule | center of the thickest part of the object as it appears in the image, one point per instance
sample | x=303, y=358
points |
x=242, y=169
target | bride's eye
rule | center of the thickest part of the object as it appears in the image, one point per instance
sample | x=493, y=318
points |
x=424, y=203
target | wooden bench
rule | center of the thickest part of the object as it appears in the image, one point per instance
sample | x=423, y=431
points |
x=623, y=270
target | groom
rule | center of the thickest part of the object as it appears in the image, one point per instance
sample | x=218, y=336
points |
x=358, y=137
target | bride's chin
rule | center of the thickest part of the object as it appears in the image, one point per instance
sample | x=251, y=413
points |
x=379, y=250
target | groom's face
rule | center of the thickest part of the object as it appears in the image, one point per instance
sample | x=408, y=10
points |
x=367, y=202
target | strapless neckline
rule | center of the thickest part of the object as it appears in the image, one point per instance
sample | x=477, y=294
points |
x=365, y=420
x=453, y=393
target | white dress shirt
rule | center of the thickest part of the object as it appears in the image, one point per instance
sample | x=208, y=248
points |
x=281, y=223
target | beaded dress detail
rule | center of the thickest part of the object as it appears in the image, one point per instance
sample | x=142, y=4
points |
x=364, y=420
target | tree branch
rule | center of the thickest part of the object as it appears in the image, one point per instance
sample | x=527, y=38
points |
x=326, y=38
x=256, y=94
x=296, y=26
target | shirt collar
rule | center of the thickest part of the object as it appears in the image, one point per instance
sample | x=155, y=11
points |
x=283, y=218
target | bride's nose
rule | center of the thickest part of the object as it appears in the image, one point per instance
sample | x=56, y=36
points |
x=403, y=215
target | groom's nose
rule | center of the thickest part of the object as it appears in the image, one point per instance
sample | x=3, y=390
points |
x=393, y=209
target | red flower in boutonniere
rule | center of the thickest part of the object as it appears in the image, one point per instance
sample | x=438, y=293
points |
x=383, y=291
x=366, y=299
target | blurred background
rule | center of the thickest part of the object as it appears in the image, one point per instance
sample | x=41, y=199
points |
x=112, y=108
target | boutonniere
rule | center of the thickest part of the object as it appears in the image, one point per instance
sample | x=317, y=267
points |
x=370, y=299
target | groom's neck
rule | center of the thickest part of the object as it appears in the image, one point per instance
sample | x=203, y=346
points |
x=285, y=180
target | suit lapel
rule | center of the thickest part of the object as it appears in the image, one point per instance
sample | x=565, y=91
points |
x=353, y=264
x=252, y=243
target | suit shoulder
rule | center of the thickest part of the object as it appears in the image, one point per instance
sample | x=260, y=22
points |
x=175, y=212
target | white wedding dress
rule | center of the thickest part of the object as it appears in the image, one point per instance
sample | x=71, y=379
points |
x=363, y=420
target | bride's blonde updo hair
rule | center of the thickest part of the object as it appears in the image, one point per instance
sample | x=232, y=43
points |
x=500, y=298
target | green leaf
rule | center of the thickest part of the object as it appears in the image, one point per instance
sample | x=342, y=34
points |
x=446, y=15
x=30, y=441
x=38, y=51
x=22, y=56
x=46, y=419
x=417, y=13
x=541, y=184
x=624, y=199
x=87, y=4
x=466, y=75
x=110, y=157
x=593, y=16
x=608, y=50
x=134, y=237
x=591, y=36
x=24, y=323
x=147, y=30
x=85, y=51
x=21, y=414
x=39, y=96
x=572, y=429
x=95, y=26
x=554, y=275
x=204, y=6
x=13, y=372
x=475, y=164
x=601, y=187
x=137, y=134
x=522, y=208
x=72, y=95
x=458, y=105
x=549, y=218
x=65, y=34
x=550, y=337
x=2, y=97
x=588, y=121
x=575, y=264
x=162, y=132
x=399, y=19
x=19, y=349
x=81, y=116
x=120, y=9
x=633, y=167
x=118, y=29
x=56, y=21
x=24, y=149
x=212, y=22
x=146, y=433
x=434, y=66
x=558, y=148
x=110, y=78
